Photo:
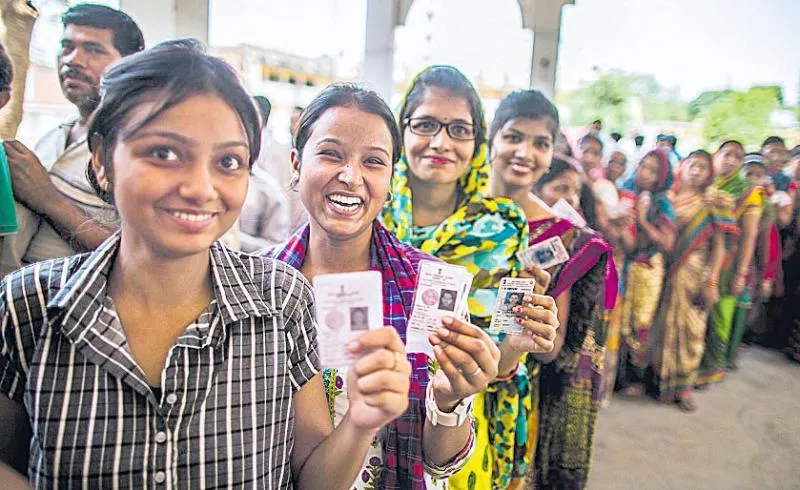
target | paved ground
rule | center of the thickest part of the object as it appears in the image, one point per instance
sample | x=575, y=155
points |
x=745, y=435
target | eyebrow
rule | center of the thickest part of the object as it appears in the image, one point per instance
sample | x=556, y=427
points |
x=538, y=137
x=338, y=142
x=458, y=119
x=184, y=140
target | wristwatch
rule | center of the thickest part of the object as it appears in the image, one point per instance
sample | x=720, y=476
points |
x=456, y=418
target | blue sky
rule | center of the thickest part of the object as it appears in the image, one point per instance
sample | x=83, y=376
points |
x=693, y=45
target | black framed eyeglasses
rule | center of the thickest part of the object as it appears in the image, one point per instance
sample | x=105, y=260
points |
x=428, y=126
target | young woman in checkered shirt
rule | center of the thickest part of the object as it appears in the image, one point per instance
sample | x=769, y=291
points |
x=165, y=359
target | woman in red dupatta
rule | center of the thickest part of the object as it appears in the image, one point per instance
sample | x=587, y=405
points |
x=345, y=145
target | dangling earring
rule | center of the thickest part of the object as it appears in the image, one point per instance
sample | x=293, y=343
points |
x=389, y=197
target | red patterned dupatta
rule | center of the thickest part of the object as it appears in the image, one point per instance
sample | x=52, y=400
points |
x=590, y=248
x=397, y=263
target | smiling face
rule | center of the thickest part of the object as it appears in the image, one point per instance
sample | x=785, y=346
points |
x=345, y=171
x=179, y=182
x=522, y=152
x=438, y=159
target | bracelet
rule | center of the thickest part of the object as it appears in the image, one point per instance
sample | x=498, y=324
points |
x=508, y=376
x=712, y=283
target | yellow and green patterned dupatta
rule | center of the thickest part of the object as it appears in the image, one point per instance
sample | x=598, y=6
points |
x=483, y=234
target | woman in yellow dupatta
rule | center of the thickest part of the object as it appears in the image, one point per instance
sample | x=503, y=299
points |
x=440, y=205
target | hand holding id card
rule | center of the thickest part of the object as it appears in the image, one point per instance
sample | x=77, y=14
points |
x=442, y=290
x=346, y=305
x=546, y=254
x=511, y=293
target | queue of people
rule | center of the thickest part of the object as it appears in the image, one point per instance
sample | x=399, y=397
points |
x=138, y=349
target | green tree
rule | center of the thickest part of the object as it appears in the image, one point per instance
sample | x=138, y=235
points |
x=740, y=115
x=610, y=95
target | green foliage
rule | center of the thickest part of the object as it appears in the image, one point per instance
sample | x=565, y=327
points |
x=706, y=100
x=611, y=95
x=741, y=115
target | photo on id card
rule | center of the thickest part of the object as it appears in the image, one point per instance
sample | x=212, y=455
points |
x=510, y=294
x=546, y=254
x=442, y=290
x=346, y=305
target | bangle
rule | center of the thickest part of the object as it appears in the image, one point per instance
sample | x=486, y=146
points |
x=712, y=283
x=508, y=376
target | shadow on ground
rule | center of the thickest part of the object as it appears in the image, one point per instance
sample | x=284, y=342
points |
x=745, y=435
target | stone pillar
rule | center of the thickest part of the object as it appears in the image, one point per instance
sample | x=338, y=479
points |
x=543, y=17
x=379, y=46
x=161, y=20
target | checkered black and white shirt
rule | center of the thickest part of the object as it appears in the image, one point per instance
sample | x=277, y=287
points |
x=225, y=415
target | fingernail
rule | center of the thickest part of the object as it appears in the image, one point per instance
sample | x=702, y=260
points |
x=447, y=320
x=528, y=299
x=434, y=340
x=352, y=346
x=443, y=332
x=438, y=350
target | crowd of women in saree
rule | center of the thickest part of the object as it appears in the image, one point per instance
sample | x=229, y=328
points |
x=208, y=374
x=702, y=264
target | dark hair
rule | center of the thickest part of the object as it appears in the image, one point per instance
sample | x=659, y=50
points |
x=616, y=137
x=702, y=154
x=730, y=142
x=638, y=140
x=558, y=167
x=345, y=95
x=6, y=70
x=795, y=152
x=453, y=81
x=530, y=104
x=597, y=121
x=166, y=74
x=589, y=205
x=774, y=140
x=264, y=108
x=591, y=137
x=128, y=38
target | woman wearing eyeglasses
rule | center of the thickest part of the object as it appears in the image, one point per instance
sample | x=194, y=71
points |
x=440, y=205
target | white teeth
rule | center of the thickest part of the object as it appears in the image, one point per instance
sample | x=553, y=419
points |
x=343, y=200
x=191, y=217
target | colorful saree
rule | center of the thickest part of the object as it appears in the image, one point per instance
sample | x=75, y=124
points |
x=644, y=279
x=727, y=319
x=397, y=462
x=682, y=319
x=483, y=234
x=570, y=386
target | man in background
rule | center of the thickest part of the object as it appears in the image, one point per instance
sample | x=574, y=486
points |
x=58, y=211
